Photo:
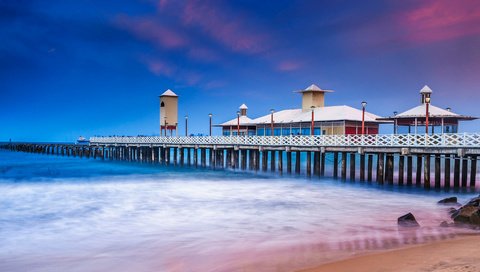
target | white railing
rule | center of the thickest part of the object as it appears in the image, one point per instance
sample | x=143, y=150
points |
x=471, y=140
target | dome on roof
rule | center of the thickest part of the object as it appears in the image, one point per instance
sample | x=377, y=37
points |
x=425, y=89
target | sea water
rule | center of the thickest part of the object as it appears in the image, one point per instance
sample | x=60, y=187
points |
x=70, y=214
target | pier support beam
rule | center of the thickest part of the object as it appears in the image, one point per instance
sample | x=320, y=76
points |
x=426, y=172
x=297, y=162
x=344, y=165
x=456, y=173
x=401, y=169
x=473, y=171
x=409, y=171
x=380, y=165
x=280, y=161
x=335, y=164
x=352, y=166
x=446, y=176
x=437, y=172
x=289, y=162
x=418, y=176
x=272, y=160
x=464, y=171
x=369, y=167
x=362, y=167
x=309, y=163
x=389, y=169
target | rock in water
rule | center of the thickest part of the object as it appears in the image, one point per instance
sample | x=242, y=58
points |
x=467, y=214
x=408, y=220
x=448, y=200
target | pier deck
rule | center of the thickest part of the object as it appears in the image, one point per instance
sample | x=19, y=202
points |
x=388, y=159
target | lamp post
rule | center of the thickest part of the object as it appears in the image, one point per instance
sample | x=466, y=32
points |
x=312, y=128
x=186, y=125
x=238, y=123
x=271, y=121
x=364, y=104
x=395, y=123
x=210, y=116
x=427, y=103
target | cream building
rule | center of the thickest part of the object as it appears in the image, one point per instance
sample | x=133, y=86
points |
x=168, y=113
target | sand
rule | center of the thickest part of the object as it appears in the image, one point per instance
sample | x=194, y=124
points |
x=457, y=255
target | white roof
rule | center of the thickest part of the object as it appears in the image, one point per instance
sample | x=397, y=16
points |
x=426, y=89
x=243, y=107
x=332, y=113
x=420, y=111
x=244, y=121
x=168, y=93
x=314, y=88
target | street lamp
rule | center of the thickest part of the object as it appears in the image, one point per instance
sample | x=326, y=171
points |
x=427, y=103
x=210, y=116
x=271, y=121
x=238, y=123
x=186, y=125
x=395, y=122
x=364, y=104
x=312, y=132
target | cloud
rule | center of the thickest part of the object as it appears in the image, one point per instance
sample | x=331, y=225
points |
x=158, y=67
x=289, y=65
x=151, y=29
x=442, y=20
x=230, y=30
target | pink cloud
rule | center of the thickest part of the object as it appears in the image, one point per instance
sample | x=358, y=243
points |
x=441, y=20
x=150, y=29
x=226, y=28
x=289, y=65
x=158, y=67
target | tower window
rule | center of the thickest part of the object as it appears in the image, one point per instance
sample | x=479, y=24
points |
x=162, y=104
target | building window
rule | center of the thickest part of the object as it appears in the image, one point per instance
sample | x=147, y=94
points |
x=162, y=104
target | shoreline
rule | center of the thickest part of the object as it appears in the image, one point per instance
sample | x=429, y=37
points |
x=458, y=254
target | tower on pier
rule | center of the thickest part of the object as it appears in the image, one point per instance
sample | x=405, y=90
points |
x=168, y=113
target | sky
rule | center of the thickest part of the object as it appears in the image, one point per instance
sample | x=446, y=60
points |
x=71, y=68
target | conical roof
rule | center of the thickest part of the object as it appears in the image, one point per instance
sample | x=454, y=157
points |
x=168, y=93
x=314, y=88
x=243, y=107
x=425, y=90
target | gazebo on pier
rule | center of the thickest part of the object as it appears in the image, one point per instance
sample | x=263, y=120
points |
x=439, y=120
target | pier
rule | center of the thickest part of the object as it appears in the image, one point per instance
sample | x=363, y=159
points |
x=428, y=161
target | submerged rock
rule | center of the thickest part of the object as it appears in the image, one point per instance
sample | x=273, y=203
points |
x=467, y=215
x=449, y=200
x=407, y=220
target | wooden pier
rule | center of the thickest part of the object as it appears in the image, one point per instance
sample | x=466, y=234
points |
x=440, y=160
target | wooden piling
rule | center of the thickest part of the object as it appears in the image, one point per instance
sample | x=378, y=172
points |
x=380, y=166
x=297, y=162
x=369, y=167
x=464, y=171
x=418, y=176
x=362, y=167
x=272, y=160
x=473, y=171
x=335, y=164
x=289, y=161
x=344, y=165
x=401, y=169
x=437, y=172
x=456, y=172
x=446, y=176
x=426, y=172
x=309, y=163
x=280, y=161
x=352, y=166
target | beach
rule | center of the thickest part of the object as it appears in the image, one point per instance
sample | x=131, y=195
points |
x=456, y=255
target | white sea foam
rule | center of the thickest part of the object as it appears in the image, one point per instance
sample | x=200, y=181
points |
x=149, y=222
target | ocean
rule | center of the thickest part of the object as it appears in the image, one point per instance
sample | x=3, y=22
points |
x=70, y=214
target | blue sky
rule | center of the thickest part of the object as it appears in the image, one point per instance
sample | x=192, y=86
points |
x=70, y=68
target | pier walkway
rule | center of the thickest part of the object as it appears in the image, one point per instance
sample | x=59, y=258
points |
x=404, y=159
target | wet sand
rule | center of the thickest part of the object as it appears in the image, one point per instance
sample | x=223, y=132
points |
x=458, y=255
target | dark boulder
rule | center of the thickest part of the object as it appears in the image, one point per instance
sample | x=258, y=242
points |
x=449, y=200
x=475, y=202
x=407, y=220
x=467, y=215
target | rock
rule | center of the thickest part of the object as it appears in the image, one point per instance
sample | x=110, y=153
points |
x=452, y=210
x=448, y=200
x=444, y=224
x=464, y=214
x=475, y=202
x=407, y=220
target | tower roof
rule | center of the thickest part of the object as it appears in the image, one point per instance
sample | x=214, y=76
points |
x=314, y=88
x=426, y=90
x=168, y=93
x=243, y=107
